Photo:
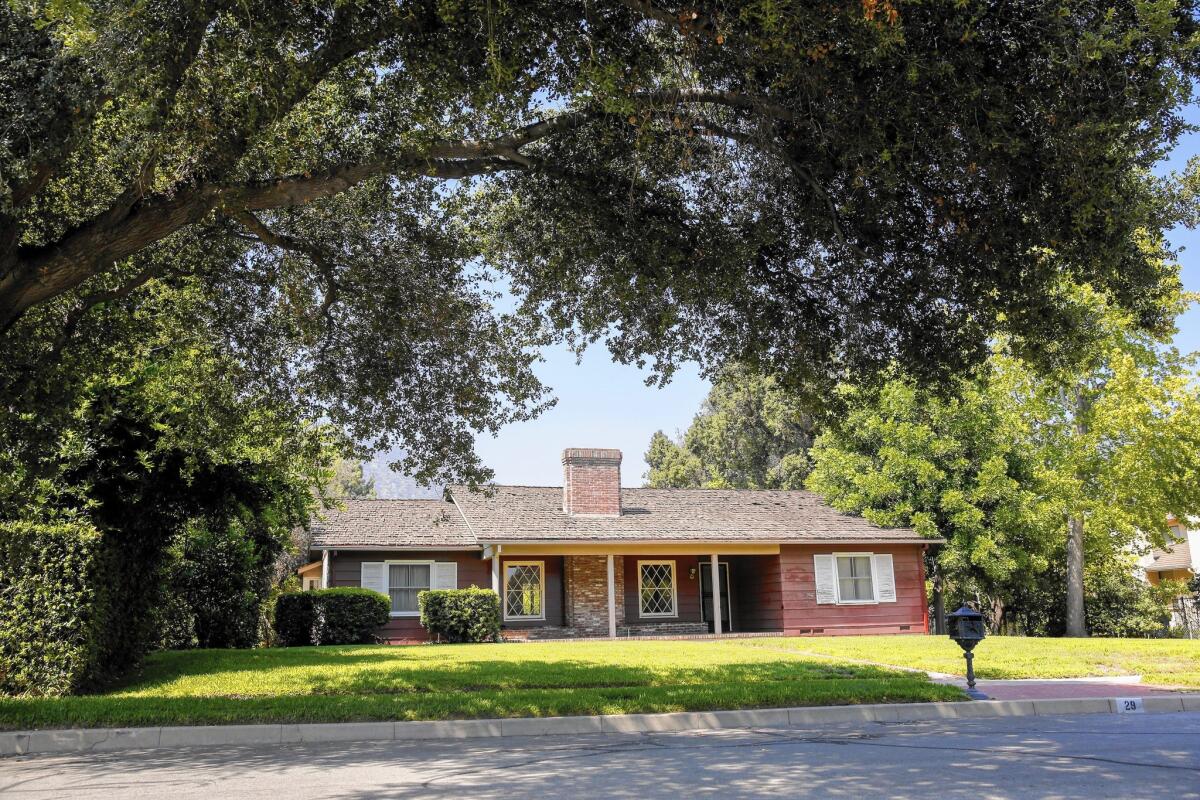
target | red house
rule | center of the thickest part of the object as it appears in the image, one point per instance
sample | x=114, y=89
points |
x=590, y=558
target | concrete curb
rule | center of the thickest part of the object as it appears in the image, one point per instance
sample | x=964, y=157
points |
x=98, y=740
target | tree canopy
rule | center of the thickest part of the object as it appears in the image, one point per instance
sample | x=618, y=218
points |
x=1032, y=477
x=809, y=188
x=749, y=434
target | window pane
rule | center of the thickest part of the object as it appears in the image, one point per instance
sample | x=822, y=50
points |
x=523, y=590
x=854, y=578
x=404, y=581
x=656, y=590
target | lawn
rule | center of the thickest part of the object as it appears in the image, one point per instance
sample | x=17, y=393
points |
x=333, y=684
x=1166, y=662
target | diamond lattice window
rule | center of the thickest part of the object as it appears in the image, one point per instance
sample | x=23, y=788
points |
x=657, y=589
x=523, y=590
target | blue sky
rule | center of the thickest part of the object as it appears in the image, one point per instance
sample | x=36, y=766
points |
x=602, y=404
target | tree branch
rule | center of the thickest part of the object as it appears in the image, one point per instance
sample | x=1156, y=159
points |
x=315, y=254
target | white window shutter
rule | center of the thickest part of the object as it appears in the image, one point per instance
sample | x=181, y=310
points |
x=884, y=578
x=445, y=575
x=374, y=576
x=825, y=579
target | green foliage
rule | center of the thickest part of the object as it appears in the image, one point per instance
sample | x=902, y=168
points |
x=1111, y=437
x=343, y=615
x=296, y=619
x=349, y=615
x=348, y=480
x=461, y=615
x=219, y=579
x=1121, y=605
x=750, y=433
x=958, y=467
x=56, y=618
x=156, y=445
x=816, y=190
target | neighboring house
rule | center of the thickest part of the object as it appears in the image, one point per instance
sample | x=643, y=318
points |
x=310, y=576
x=590, y=558
x=1180, y=561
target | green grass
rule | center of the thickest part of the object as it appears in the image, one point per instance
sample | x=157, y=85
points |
x=333, y=684
x=1166, y=662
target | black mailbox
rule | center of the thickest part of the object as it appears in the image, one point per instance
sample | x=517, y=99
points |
x=967, y=630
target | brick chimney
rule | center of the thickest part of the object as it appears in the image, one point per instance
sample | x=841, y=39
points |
x=592, y=482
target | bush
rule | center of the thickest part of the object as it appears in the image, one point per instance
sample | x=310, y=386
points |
x=220, y=582
x=461, y=615
x=54, y=618
x=296, y=619
x=346, y=615
x=349, y=615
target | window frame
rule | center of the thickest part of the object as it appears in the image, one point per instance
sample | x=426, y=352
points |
x=674, y=613
x=387, y=578
x=541, y=565
x=837, y=580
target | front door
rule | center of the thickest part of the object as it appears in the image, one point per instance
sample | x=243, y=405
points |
x=706, y=596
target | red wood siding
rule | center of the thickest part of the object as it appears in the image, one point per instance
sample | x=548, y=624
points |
x=803, y=616
x=687, y=590
x=554, y=591
x=345, y=569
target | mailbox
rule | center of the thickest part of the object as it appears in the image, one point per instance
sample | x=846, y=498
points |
x=967, y=630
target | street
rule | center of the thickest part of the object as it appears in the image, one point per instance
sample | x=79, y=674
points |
x=1060, y=757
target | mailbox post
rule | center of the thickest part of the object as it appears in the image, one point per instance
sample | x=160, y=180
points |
x=967, y=630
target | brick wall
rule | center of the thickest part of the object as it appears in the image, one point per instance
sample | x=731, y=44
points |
x=586, y=589
x=592, y=481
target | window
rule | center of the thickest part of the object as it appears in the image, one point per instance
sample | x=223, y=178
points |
x=656, y=588
x=404, y=581
x=854, y=579
x=524, y=590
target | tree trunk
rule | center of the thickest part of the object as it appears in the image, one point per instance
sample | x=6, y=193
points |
x=1076, y=624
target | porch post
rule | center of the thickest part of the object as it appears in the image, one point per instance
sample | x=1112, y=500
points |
x=324, y=569
x=496, y=573
x=716, y=591
x=612, y=600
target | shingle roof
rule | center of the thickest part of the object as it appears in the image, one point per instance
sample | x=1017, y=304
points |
x=392, y=523
x=1178, y=557
x=534, y=514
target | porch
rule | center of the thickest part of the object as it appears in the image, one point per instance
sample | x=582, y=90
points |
x=569, y=591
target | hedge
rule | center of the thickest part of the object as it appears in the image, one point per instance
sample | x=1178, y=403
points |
x=55, y=608
x=461, y=615
x=295, y=618
x=345, y=615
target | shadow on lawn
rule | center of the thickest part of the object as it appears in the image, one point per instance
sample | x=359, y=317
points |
x=373, y=672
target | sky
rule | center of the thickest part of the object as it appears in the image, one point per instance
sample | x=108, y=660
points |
x=602, y=404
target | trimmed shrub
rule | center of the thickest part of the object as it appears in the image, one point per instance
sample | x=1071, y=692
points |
x=54, y=608
x=296, y=619
x=461, y=615
x=348, y=615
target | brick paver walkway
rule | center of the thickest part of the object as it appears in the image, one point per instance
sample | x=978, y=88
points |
x=1056, y=690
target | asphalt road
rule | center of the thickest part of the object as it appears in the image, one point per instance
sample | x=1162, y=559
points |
x=1093, y=756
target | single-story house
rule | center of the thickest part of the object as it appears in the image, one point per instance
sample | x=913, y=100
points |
x=590, y=558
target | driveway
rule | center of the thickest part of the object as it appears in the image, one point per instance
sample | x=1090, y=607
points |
x=1088, y=756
